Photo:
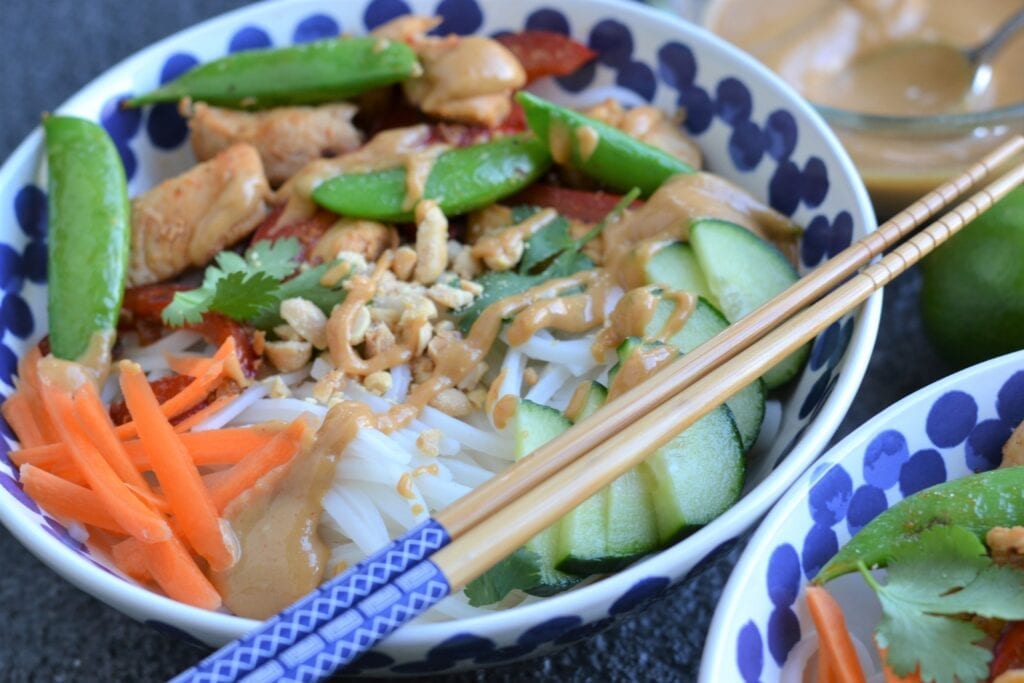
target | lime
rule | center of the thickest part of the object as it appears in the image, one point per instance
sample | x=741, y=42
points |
x=973, y=295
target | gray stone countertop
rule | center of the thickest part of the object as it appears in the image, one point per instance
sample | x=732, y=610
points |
x=53, y=632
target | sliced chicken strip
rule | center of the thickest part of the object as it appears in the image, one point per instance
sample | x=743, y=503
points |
x=287, y=138
x=187, y=220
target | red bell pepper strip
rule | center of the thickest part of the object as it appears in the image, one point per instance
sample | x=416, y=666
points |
x=583, y=205
x=546, y=53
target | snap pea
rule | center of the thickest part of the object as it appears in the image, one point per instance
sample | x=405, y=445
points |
x=461, y=180
x=321, y=71
x=603, y=152
x=89, y=233
x=976, y=503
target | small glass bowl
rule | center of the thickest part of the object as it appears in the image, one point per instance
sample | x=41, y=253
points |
x=902, y=157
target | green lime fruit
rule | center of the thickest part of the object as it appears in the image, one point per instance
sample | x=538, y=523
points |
x=973, y=295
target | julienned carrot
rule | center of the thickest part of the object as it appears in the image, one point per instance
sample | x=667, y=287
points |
x=18, y=413
x=188, y=398
x=891, y=677
x=67, y=500
x=190, y=502
x=128, y=511
x=29, y=385
x=193, y=366
x=129, y=558
x=213, y=447
x=281, y=449
x=218, y=404
x=100, y=428
x=175, y=571
x=834, y=640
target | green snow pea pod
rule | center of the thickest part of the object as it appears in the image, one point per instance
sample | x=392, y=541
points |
x=311, y=73
x=976, y=503
x=460, y=180
x=603, y=152
x=89, y=233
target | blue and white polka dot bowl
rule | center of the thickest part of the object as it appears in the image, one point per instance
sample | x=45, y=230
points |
x=753, y=130
x=955, y=427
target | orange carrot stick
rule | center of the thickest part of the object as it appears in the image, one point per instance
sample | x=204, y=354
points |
x=129, y=558
x=100, y=429
x=213, y=447
x=18, y=413
x=193, y=366
x=175, y=571
x=182, y=486
x=282, y=448
x=28, y=374
x=67, y=500
x=128, y=511
x=200, y=416
x=187, y=398
x=835, y=643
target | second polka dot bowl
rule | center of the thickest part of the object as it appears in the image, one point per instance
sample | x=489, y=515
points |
x=752, y=129
x=948, y=430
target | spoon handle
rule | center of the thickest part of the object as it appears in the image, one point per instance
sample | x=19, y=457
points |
x=982, y=54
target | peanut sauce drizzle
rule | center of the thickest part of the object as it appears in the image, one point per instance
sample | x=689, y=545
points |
x=639, y=367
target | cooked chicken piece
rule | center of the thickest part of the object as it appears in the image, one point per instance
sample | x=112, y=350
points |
x=187, y=220
x=651, y=125
x=1013, y=449
x=287, y=137
x=468, y=79
x=366, y=238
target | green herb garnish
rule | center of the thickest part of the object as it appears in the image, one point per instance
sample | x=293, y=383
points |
x=250, y=288
x=518, y=571
x=931, y=584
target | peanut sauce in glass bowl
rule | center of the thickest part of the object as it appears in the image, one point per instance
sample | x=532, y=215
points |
x=883, y=75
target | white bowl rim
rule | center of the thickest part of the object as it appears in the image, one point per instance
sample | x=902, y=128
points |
x=752, y=558
x=115, y=591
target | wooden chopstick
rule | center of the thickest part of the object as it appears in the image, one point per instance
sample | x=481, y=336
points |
x=527, y=514
x=619, y=413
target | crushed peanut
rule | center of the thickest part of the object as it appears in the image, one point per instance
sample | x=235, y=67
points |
x=286, y=333
x=429, y=442
x=306, y=319
x=449, y=296
x=359, y=325
x=329, y=385
x=404, y=263
x=530, y=377
x=422, y=368
x=277, y=388
x=288, y=356
x=378, y=339
x=452, y=402
x=378, y=382
x=478, y=397
x=367, y=238
x=431, y=242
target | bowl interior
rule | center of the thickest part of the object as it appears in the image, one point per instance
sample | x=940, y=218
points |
x=752, y=129
x=948, y=430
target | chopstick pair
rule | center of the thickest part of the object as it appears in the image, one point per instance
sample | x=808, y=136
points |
x=345, y=617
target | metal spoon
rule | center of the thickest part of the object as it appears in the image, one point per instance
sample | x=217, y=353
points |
x=980, y=57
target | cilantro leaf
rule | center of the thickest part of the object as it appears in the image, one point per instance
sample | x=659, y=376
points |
x=277, y=258
x=547, y=242
x=187, y=307
x=518, y=571
x=307, y=286
x=241, y=295
x=945, y=573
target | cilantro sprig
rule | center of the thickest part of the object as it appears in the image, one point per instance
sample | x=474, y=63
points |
x=518, y=571
x=930, y=585
x=549, y=253
x=250, y=287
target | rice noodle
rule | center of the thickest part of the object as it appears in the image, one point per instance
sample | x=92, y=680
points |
x=267, y=409
x=401, y=377
x=376, y=444
x=465, y=473
x=391, y=505
x=468, y=435
x=153, y=356
x=321, y=366
x=550, y=381
x=293, y=378
x=233, y=409
x=357, y=517
x=573, y=354
x=439, y=493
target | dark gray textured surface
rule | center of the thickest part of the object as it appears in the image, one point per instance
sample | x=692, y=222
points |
x=52, y=632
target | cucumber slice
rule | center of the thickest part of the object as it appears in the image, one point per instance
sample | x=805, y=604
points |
x=632, y=527
x=704, y=323
x=534, y=426
x=696, y=476
x=581, y=533
x=675, y=266
x=743, y=272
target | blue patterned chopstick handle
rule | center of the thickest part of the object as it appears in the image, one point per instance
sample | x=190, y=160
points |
x=310, y=613
x=342, y=640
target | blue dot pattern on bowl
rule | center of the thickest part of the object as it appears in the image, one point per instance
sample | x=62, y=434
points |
x=890, y=472
x=752, y=143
